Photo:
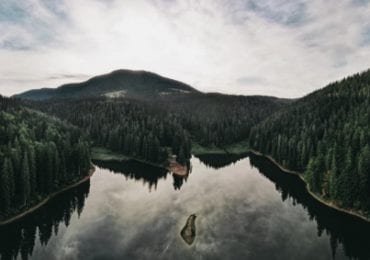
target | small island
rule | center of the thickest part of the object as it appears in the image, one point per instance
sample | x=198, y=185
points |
x=188, y=232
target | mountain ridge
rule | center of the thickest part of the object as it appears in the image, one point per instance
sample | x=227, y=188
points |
x=118, y=83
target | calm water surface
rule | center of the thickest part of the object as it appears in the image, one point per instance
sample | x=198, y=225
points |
x=245, y=207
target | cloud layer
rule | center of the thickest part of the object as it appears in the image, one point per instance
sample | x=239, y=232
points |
x=265, y=47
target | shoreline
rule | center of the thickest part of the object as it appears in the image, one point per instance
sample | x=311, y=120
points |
x=177, y=169
x=106, y=155
x=307, y=186
x=283, y=169
x=46, y=200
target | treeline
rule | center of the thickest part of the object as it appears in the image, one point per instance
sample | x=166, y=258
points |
x=327, y=135
x=130, y=127
x=216, y=119
x=38, y=155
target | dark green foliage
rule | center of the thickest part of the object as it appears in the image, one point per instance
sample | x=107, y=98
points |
x=218, y=120
x=150, y=129
x=327, y=135
x=7, y=189
x=127, y=127
x=25, y=184
x=38, y=155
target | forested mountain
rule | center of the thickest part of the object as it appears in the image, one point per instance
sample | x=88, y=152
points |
x=153, y=129
x=327, y=135
x=119, y=83
x=38, y=155
x=142, y=114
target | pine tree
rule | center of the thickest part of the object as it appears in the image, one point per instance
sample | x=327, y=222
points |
x=32, y=168
x=25, y=189
x=7, y=185
x=364, y=174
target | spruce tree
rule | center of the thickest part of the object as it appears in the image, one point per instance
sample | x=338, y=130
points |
x=25, y=189
x=7, y=185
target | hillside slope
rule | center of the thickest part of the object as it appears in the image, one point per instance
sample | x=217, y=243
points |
x=38, y=156
x=145, y=101
x=119, y=83
x=327, y=135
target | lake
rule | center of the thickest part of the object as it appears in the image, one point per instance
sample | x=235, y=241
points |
x=245, y=207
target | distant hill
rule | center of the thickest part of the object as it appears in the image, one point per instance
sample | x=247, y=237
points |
x=119, y=83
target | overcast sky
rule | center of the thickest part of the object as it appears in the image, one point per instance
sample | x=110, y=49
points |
x=269, y=47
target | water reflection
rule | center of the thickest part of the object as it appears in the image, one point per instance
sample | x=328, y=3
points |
x=178, y=181
x=353, y=233
x=19, y=239
x=240, y=216
x=146, y=173
x=218, y=161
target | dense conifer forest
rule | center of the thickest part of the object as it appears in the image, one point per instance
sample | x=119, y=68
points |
x=38, y=155
x=217, y=120
x=326, y=135
x=153, y=129
x=128, y=127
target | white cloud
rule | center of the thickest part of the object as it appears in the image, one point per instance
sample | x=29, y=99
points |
x=287, y=49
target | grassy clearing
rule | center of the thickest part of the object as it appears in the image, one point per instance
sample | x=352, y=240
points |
x=198, y=149
x=237, y=148
x=103, y=154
